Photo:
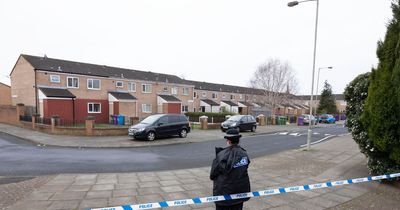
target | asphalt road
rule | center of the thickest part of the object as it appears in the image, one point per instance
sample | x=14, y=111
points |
x=21, y=158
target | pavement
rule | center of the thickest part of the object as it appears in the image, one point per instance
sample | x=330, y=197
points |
x=336, y=159
x=195, y=135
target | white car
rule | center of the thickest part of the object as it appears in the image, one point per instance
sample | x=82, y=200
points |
x=306, y=119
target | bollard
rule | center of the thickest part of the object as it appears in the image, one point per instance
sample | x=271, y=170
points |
x=204, y=122
x=262, y=120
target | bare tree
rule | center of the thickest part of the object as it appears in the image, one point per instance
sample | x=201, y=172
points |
x=277, y=82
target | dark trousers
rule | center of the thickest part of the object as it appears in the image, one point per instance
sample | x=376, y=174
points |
x=233, y=207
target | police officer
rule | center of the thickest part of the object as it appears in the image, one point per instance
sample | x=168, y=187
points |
x=229, y=172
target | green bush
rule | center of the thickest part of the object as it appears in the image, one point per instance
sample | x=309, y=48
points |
x=355, y=94
x=381, y=116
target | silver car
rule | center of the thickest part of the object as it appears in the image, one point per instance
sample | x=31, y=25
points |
x=306, y=119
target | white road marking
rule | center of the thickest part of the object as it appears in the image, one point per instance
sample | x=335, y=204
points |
x=319, y=141
x=327, y=134
x=283, y=133
x=316, y=133
x=294, y=134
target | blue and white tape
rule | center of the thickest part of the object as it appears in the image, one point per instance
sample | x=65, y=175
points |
x=266, y=192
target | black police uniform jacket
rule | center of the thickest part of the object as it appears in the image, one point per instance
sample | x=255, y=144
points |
x=229, y=173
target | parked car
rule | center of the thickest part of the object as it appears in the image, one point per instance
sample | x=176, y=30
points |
x=306, y=119
x=326, y=118
x=240, y=122
x=160, y=125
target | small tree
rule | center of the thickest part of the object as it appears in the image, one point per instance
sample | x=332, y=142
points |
x=276, y=80
x=327, y=103
x=382, y=115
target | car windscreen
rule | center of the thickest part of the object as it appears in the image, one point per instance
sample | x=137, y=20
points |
x=150, y=119
x=235, y=118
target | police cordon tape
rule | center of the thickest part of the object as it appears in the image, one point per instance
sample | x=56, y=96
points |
x=275, y=191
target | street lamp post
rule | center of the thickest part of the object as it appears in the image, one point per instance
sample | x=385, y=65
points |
x=319, y=69
x=309, y=133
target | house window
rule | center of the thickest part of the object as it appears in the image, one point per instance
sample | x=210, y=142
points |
x=214, y=95
x=73, y=82
x=232, y=97
x=55, y=78
x=194, y=95
x=241, y=96
x=204, y=94
x=165, y=89
x=146, y=108
x=93, y=84
x=174, y=91
x=223, y=96
x=185, y=91
x=185, y=108
x=119, y=84
x=146, y=88
x=131, y=87
x=94, y=108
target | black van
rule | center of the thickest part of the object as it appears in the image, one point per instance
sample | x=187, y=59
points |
x=160, y=125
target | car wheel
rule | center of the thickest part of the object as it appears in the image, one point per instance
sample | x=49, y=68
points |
x=253, y=129
x=151, y=136
x=183, y=133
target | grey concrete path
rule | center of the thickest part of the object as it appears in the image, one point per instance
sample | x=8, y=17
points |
x=336, y=159
x=125, y=141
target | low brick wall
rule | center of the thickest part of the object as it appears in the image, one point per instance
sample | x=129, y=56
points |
x=110, y=131
x=8, y=115
x=214, y=126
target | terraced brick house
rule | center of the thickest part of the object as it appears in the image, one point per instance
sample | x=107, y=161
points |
x=211, y=97
x=75, y=90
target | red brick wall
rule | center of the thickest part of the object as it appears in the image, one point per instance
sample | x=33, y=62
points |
x=81, y=110
x=174, y=108
x=62, y=108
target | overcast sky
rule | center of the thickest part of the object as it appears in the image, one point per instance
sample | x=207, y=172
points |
x=220, y=41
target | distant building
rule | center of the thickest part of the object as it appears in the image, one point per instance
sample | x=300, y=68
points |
x=5, y=94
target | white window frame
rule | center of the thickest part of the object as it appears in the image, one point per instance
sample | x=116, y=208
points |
x=165, y=89
x=240, y=96
x=149, y=85
x=233, y=97
x=185, y=110
x=187, y=91
x=224, y=95
x=130, y=85
x=194, y=94
x=93, y=112
x=92, y=88
x=119, y=86
x=204, y=94
x=144, y=109
x=174, y=90
x=214, y=95
x=55, y=76
x=72, y=82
